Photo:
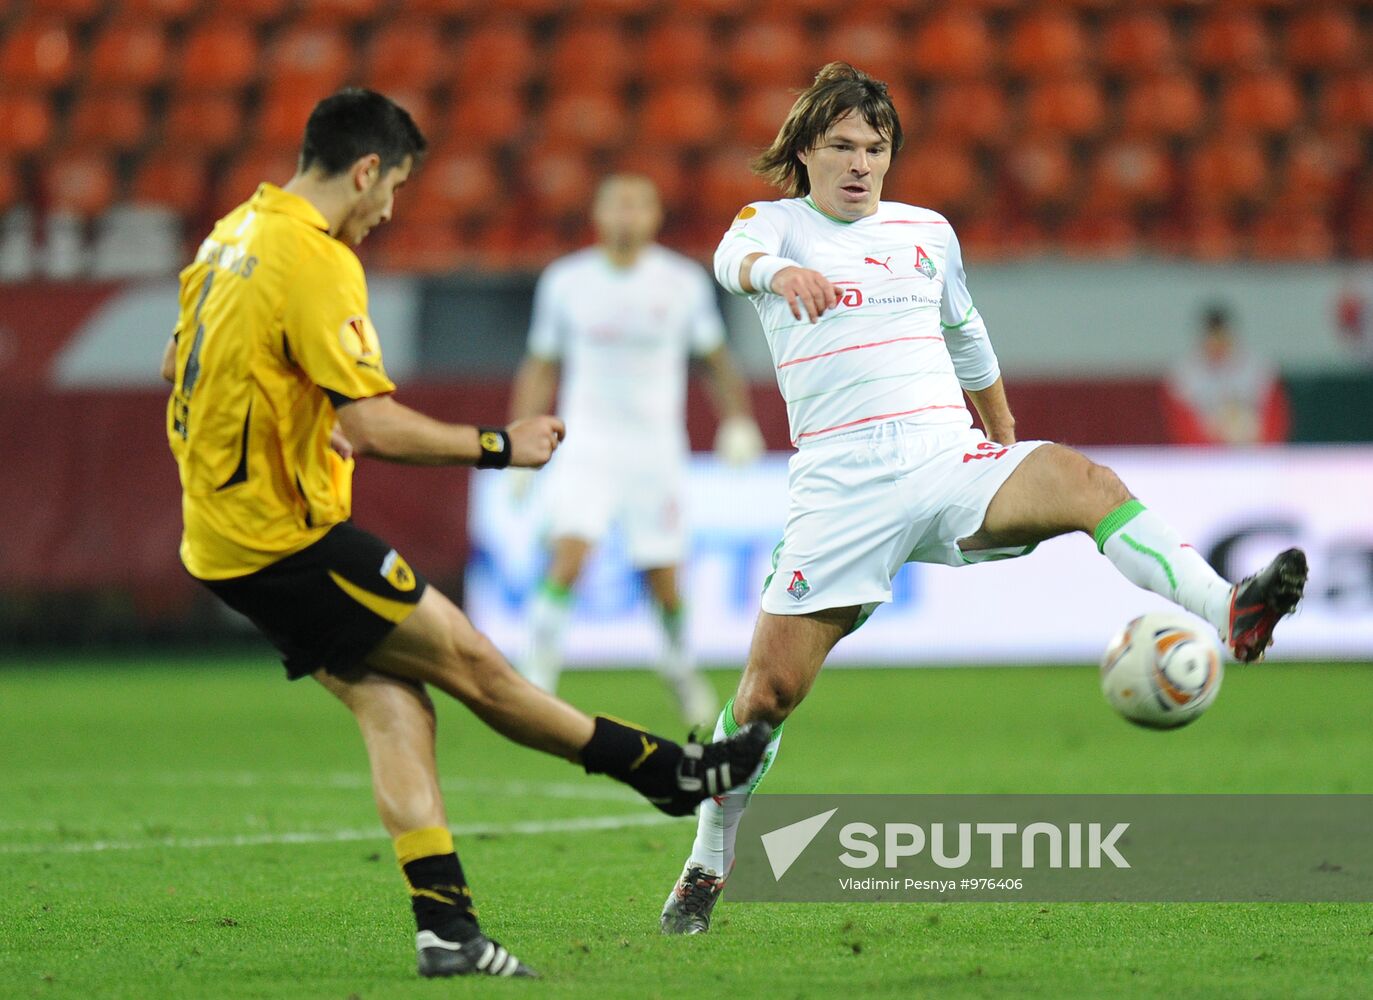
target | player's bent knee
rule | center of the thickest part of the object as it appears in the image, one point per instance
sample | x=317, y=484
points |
x=1106, y=486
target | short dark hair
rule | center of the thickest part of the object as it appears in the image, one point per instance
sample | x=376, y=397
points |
x=838, y=89
x=1216, y=317
x=345, y=127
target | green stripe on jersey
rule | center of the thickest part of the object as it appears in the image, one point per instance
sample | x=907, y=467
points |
x=833, y=218
x=962, y=322
x=1116, y=520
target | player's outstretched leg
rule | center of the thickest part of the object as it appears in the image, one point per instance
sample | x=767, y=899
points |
x=787, y=654
x=396, y=719
x=696, y=699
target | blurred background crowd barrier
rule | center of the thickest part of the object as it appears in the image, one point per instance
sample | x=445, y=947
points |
x=1115, y=171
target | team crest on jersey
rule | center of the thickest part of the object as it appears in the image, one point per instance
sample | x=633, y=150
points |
x=397, y=572
x=359, y=338
x=923, y=264
x=799, y=586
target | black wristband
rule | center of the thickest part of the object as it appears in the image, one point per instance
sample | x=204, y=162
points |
x=495, y=446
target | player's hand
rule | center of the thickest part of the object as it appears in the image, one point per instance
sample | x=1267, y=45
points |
x=339, y=442
x=533, y=440
x=809, y=293
x=738, y=442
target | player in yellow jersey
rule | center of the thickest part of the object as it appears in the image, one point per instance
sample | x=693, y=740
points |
x=278, y=383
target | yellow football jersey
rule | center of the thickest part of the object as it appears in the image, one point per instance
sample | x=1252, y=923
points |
x=272, y=332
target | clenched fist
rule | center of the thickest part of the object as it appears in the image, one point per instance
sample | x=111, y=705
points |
x=534, y=439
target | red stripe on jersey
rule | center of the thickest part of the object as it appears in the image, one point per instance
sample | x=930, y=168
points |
x=880, y=416
x=853, y=347
x=915, y=222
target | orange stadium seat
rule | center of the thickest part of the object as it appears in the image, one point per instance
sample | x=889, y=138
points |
x=1228, y=170
x=129, y=54
x=333, y=12
x=1071, y=107
x=771, y=52
x=406, y=54
x=681, y=116
x=260, y=11
x=616, y=8
x=10, y=188
x=711, y=8
x=203, y=123
x=1098, y=236
x=174, y=179
x=158, y=11
x=69, y=11
x=79, y=181
x=313, y=58
x=37, y=54
x=481, y=119
x=1265, y=102
x=952, y=44
x=530, y=9
x=759, y=113
x=1211, y=235
x=1283, y=236
x=459, y=186
x=591, y=55
x=974, y=110
x=248, y=170
x=1311, y=174
x=1046, y=42
x=1137, y=43
x=282, y=115
x=1348, y=100
x=1130, y=174
x=495, y=54
x=667, y=173
x=1227, y=40
x=1322, y=39
x=25, y=122
x=109, y=120
x=586, y=120
x=679, y=50
x=875, y=45
x=417, y=246
x=218, y=55
x=944, y=177
x=443, y=9
x=1042, y=172
x=560, y=183
x=422, y=108
x=1170, y=104
x=724, y=184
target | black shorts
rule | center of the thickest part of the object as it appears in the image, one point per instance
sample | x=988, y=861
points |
x=328, y=605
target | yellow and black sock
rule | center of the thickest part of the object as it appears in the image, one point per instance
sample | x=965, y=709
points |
x=645, y=762
x=438, y=890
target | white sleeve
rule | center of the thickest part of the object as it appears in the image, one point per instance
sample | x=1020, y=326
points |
x=965, y=335
x=752, y=232
x=545, y=329
x=706, y=325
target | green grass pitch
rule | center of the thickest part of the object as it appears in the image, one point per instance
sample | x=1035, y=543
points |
x=186, y=828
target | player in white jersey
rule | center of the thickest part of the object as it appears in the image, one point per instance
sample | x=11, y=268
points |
x=619, y=322
x=875, y=340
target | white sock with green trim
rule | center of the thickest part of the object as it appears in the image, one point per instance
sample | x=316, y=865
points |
x=549, y=612
x=718, y=822
x=1149, y=553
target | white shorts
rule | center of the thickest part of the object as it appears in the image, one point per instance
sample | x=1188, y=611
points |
x=642, y=493
x=865, y=503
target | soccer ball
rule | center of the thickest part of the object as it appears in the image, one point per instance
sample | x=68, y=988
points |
x=1162, y=671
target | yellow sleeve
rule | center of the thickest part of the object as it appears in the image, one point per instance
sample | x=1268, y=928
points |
x=328, y=332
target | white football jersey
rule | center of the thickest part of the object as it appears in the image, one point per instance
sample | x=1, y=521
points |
x=624, y=337
x=904, y=340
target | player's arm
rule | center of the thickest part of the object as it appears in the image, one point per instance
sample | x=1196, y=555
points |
x=536, y=383
x=169, y=360
x=970, y=349
x=995, y=411
x=381, y=427
x=737, y=439
x=742, y=268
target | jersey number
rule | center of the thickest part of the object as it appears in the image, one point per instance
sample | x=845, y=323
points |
x=191, y=373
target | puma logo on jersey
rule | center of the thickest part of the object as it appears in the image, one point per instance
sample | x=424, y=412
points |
x=880, y=263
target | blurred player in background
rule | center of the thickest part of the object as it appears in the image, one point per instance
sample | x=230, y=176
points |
x=875, y=337
x=1224, y=393
x=273, y=355
x=618, y=323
